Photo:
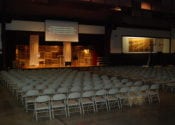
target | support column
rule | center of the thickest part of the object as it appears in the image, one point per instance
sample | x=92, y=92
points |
x=4, y=18
x=4, y=50
x=172, y=41
x=0, y=40
x=34, y=50
x=108, y=31
x=136, y=6
x=1, y=57
x=67, y=53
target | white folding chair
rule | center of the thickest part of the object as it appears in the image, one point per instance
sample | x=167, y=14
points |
x=73, y=103
x=21, y=93
x=112, y=99
x=132, y=95
x=143, y=94
x=58, y=105
x=100, y=100
x=123, y=96
x=42, y=107
x=87, y=102
x=154, y=93
x=29, y=99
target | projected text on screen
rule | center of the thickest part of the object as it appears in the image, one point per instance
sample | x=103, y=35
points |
x=61, y=31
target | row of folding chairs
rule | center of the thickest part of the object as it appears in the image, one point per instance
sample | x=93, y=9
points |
x=63, y=90
x=76, y=88
x=145, y=73
x=59, y=104
x=30, y=98
x=95, y=101
x=69, y=87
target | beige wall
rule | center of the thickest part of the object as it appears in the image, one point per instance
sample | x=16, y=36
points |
x=40, y=26
x=119, y=32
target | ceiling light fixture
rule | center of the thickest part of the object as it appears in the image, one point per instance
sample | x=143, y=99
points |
x=117, y=9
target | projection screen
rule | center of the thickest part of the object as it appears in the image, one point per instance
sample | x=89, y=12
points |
x=61, y=31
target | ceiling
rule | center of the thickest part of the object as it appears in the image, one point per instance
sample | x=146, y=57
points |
x=159, y=14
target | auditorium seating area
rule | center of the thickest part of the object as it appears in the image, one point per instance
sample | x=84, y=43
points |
x=87, y=62
x=82, y=92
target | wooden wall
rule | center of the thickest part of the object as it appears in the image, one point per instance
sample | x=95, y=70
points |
x=14, y=38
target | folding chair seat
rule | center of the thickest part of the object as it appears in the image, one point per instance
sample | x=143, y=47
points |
x=138, y=83
x=62, y=90
x=129, y=84
x=54, y=86
x=87, y=102
x=87, y=82
x=95, y=77
x=118, y=85
x=66, y=84
x=100, y=100
x=75, y=89
x=108, y=86
x=87, y=88
x=124, y=80
x=42, y=107
x=116, y=81
x=98, y=87
x=73, y=103
x=48, y=92
x=106, y=81
x=76, y=83
x=58, y=105
x=104, y=77
x=113, y=78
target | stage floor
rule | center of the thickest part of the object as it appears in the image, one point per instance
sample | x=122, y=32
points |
x=55, y=66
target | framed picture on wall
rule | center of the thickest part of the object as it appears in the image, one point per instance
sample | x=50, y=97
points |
x=145, y=45
x=140, y=45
